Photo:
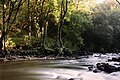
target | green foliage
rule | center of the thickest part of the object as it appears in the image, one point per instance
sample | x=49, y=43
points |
x=102, y=37
x=73, y=28
x=50, y=43
x=10, y=44
x=87, y=25
x=52, y=28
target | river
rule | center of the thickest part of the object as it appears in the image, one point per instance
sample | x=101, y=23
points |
x=54, y=70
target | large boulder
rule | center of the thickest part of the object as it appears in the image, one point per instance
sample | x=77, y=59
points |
x=106, y=67
x=115, y=59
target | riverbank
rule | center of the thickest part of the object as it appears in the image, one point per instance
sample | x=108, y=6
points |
x=40, y=57
x=32, y=57
x=40, y=53
x=48, y=54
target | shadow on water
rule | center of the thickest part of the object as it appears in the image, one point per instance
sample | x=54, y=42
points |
x=53, y=70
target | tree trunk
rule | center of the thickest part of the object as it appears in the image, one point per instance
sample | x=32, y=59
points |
x=62, y=15
x=1, y=40
x=29, y=26
x=1, y=44
x=7, y=18
x=3, y=29
x=60, y=33
x=44, y=35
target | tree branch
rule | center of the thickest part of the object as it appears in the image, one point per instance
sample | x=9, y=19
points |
x=10, y=11
x=118, y=2
x=14, y=18
x=20, y=4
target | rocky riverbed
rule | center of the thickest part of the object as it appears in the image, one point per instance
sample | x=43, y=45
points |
x=109, y=63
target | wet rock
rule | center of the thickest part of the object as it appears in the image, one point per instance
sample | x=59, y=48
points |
x=96, y=71
x=12, y=58
x=115, y=59
x=118, y=68
x=106, y=67
x=1, y=59
x=90, y=68
x=71, y=79
x=100, y=66
x=75, y=79
x=57, y=77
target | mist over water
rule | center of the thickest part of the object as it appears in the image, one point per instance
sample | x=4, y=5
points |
x=55, y=70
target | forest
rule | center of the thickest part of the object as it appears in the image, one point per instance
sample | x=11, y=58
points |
x=59, y=26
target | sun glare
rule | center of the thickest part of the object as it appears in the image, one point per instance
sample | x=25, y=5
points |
x=99, y=1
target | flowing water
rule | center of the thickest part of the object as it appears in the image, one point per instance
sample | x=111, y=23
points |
x=54, y=70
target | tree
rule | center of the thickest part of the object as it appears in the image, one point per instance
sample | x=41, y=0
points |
x=44, y=8
x=63, y=11
x=10, y=10
x=104, y=35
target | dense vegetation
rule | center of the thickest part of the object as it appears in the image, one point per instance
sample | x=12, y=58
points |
x=60, y=25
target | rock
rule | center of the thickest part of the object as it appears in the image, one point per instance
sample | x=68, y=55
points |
x=75, y=79
x=71, y=79
x=90, y=68
x=115, y=59
x=100, y=66
x=106, y=67
x=1, y=59
x=118, y=68
x=96, y=71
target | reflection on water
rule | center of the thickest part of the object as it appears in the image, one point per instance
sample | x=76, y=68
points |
x=53, y=70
